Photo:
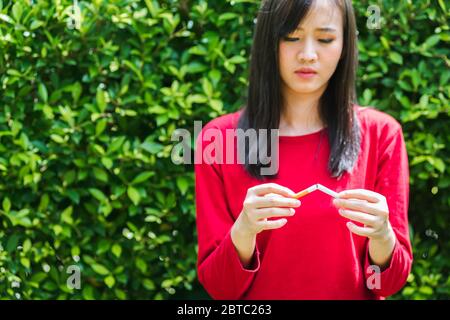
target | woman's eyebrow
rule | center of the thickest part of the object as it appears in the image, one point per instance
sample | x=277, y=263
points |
x=326, y=29
x=322, y=29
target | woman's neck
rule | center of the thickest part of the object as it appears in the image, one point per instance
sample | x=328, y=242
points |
x=300, y=114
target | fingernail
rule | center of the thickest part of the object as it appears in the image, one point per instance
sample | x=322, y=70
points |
x=292, y=211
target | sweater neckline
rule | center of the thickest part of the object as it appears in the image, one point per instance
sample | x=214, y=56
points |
x=302, y=137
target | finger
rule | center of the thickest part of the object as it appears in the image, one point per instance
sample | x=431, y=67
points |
x=362, y=194
x=274, y=212
x=361, y=231
x=265, y=188
x=364, y=218
x=358, y=205
x=273, y=195
x=270, y=202
x=273, y=224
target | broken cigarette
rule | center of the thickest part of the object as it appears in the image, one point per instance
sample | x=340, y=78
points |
x=306, y=191
x=314, y=188
x=327, y=191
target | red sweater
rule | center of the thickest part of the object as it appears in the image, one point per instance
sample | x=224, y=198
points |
x=314, y=256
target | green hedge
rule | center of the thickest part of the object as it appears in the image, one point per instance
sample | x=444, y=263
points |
x=86, y=118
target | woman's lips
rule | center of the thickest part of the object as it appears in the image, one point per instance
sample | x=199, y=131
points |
x=305, y=74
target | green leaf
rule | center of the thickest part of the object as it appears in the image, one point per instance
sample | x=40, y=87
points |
x=14, y=72
x=237, y=60
x=13, y=240
x=26, y=245
x=196, y=67
x=110, y=281
x=152, y=147
x=227, y=16
x=120, y=294
x=107, y=162
x=43, y=204
x=36, y=24
x=100, y=174
x=426, y=290
x=134, y=195
x=439, y=165
x=207, y=88
x=148, y=284
x=88, y=293
x=103, y=246
x=396, y=57
x=142, y=177
x=101, y=100
x=100, y=196
x=57, y=229
x=216, y=105
x=66, y=215
x=38, y=277
x=116, y=144
x=100, y=127
x=57, y=138
x=6, y=204
x=17, y=11
x=42, y=92
x=69, y=177
x=198, y=50
x=100, y=269
x=141, y=265
x=182, y=184
x=75, y=251
x=116, y=250
x=197, y=98
x=6, y=18
x=432, y=41
x=25, y=262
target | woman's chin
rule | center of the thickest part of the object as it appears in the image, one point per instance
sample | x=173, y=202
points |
x=305, y=89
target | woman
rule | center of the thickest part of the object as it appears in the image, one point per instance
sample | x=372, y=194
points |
x=255, y=240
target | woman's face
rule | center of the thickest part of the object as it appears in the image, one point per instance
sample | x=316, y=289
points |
x=316, y=44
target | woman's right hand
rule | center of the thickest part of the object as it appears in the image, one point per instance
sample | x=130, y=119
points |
x=262, y=202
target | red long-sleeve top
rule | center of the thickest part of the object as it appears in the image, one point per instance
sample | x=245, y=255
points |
x=314, y=256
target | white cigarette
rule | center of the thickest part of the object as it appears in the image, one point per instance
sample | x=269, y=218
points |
x=327, y=191
x=312, y=188
x=306, y=191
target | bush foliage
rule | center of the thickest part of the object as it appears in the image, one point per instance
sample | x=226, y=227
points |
x=88, y=107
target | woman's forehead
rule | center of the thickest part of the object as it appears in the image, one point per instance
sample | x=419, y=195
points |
x=323, y=15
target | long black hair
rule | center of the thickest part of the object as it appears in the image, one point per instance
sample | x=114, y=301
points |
x=276, y=19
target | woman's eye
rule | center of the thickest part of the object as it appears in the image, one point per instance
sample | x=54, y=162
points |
x=291, y=39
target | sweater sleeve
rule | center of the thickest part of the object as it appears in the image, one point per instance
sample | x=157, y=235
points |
x=393, y=182
x=219, y=268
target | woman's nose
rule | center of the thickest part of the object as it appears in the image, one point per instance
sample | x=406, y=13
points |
x=307, y=53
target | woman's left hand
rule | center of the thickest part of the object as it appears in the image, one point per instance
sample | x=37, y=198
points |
x=369, y=208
